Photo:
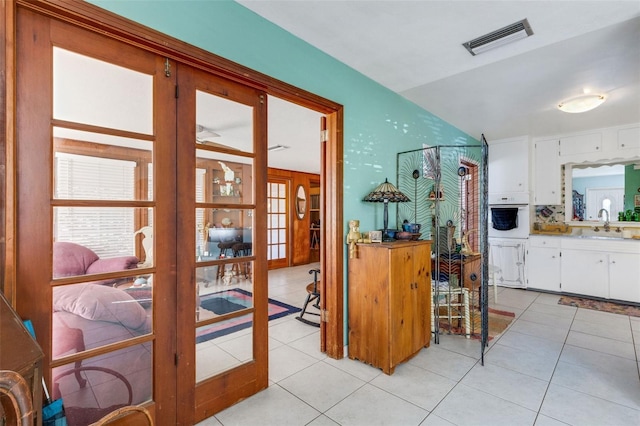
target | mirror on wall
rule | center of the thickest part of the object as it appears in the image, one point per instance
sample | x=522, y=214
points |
x=613, y=187
x=301, y=202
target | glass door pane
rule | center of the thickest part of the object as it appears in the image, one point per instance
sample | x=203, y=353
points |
x=277, y=215
x=103, y=291
x=222, y=290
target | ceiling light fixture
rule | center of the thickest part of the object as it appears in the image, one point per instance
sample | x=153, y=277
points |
x=581, y=103
x=277, y=148
x=204, y=133
x=497, y=38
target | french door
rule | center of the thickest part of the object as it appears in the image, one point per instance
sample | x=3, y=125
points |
x=278, y=222
x=134, y=226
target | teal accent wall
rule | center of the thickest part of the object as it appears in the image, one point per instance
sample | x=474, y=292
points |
x=377, y=122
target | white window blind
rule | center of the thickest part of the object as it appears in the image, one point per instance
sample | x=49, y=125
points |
x=106, y=230
x=200, y=221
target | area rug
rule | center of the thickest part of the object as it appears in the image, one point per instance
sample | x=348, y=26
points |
x=600, y=305
x=226, y=301
x=498, y=322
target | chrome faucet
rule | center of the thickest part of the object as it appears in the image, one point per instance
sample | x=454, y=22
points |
x=601, y=213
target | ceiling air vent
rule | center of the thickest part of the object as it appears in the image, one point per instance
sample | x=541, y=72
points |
x=508, y=34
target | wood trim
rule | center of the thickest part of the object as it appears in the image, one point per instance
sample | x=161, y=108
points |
x=332, y=251
x=8, y=209
x=94, y=18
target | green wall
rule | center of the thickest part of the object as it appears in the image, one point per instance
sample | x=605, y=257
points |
x=377, y=122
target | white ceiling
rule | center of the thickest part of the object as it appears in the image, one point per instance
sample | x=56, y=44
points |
x=415, y=49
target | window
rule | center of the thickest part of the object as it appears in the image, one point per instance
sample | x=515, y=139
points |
x=106, y=230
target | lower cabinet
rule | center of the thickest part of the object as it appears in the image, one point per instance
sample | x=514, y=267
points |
x=624, y=277
x=543, y=263
x=585, y=272
x=590, y=267
x=389, y=302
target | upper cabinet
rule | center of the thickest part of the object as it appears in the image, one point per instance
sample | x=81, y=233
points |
x=629, y=138
x=509, y=165
x=546, y=176
x=581, y=144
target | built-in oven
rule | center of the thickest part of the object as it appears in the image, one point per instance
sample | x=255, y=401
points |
x=508, y=232
x=509, y=216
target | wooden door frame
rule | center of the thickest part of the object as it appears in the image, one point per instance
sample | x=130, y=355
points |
x=96, y=19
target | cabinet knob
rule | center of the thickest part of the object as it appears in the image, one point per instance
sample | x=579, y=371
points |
x=613, y=261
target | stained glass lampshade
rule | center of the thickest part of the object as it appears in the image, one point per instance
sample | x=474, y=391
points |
x=386, y=193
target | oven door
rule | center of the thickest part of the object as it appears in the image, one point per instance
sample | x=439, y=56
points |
x=508, y=221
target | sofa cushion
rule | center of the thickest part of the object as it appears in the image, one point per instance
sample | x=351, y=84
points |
x=112, y=264
x=99, y=303
x=70, y=259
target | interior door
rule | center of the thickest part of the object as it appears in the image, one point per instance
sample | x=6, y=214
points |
x=278, y=222
x=148, y=234
x=96, y=164
x=222, y=266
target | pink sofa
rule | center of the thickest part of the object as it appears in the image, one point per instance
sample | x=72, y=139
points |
x=91, y=315
x=70, y=259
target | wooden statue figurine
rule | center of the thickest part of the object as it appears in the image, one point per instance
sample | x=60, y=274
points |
x=353, y=237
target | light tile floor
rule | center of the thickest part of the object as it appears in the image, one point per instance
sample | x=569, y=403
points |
x=554, y=365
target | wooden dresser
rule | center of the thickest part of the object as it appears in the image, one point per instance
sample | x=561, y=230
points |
x=19, y=352
x=389, y=302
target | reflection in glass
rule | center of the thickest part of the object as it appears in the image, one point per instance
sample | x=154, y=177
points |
x=222, y=123
x=84, y=88
x=123, y=377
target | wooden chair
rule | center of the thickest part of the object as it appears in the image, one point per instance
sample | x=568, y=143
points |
x=15, y=397
x=313, y=295
x=131, y=415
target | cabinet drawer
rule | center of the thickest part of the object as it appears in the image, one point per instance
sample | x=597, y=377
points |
x=544, y=242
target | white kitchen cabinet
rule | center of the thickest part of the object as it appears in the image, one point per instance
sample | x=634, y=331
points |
x=543, y=263
x=624, y=270
x=585, y=272
x=581, y=144
x=547, y=182
x=509, y=165
x=629, y=138
x=603, y=268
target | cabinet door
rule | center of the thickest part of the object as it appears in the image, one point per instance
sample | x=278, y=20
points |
x=629, y=138
x=403, y=304
x=581, y=144
x=585, y=272
x=547, y=172
x=422, y=292
x=543, y=268
x=624, y=277
x=509, y=166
